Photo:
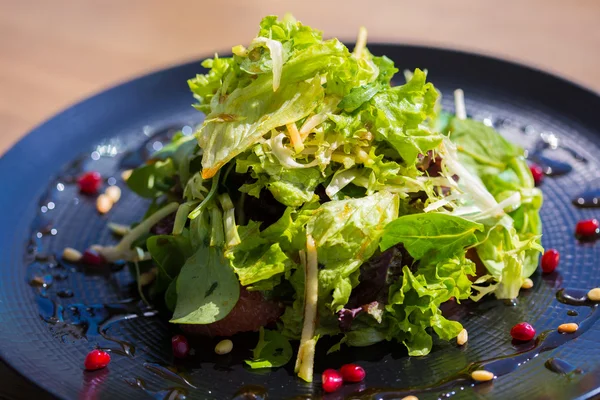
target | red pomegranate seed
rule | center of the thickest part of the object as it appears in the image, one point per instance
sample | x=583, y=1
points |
x=587, y=228
x=181, y=347
x=550, y=260
x=538, y=174
x=522, y=331
x=92, y=257
x=90, y=182
x=332, y=380
x=96, y=359
x=352, y=373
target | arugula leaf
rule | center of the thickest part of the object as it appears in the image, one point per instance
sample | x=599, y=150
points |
x=272, y=350
x=207, y=288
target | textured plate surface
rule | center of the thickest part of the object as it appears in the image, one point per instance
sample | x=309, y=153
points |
x=46, y=332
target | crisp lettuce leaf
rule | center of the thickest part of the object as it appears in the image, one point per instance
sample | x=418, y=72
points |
x=510, y=246
x=247, y=114
x=260, y=269
x=347, y=233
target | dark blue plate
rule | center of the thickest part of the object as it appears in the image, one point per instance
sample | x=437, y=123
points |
x=52, y=313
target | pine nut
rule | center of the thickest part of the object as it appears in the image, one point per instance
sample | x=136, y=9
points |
x=114, y=193
x=411, y=397
x=568, y=328
x=482, y=376
x=71, y=255
x=37, y=281
x=594, y=294
x=103, y=204
x=148, y=277
x=224, y=347
x=126, y=174
x=462, y=337
x=527, y=284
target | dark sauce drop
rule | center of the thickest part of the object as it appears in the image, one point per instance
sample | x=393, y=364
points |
x=168, y=373
x=561, y=367
x=251, y=392
x=161, y=394
x=550, y=166
x=572, y=313
x=500, y=366
x=501, y=122
x=65, y=294
x=574, y=297
x=93, y=322
x=587, y=199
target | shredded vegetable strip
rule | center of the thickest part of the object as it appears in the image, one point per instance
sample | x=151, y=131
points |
x=459, y=104
x=232, y=238
x=295, y=137
x=306, y=352
x=276, y=56
x=361, y=42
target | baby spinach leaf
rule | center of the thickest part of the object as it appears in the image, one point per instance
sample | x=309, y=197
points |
x=207, y=288
x=437, y=236
x=170, y=252
x=152, y=180
x=272, y=350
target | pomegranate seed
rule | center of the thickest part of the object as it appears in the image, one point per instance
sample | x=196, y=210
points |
x=332, y=380
x=587, y=229
x=538, y=174
x=352, y=373
x=90, y=182
x=550, y=260
x=96, y=359
x=522, y=331
x=92, y=257
x=181, y=347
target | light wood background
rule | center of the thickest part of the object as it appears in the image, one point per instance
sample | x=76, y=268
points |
x=56, y=52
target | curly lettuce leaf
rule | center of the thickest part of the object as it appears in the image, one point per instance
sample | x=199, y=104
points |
x=414, y=303
x=401, y=110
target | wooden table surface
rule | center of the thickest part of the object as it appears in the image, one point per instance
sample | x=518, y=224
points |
x=56, y=52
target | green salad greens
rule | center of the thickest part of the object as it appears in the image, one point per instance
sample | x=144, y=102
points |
x=351, y=201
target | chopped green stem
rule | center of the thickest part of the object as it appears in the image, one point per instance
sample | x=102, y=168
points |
x=209, y=196
x=121, y=251
x=181, y=216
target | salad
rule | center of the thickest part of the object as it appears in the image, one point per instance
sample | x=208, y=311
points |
x=324, y=196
